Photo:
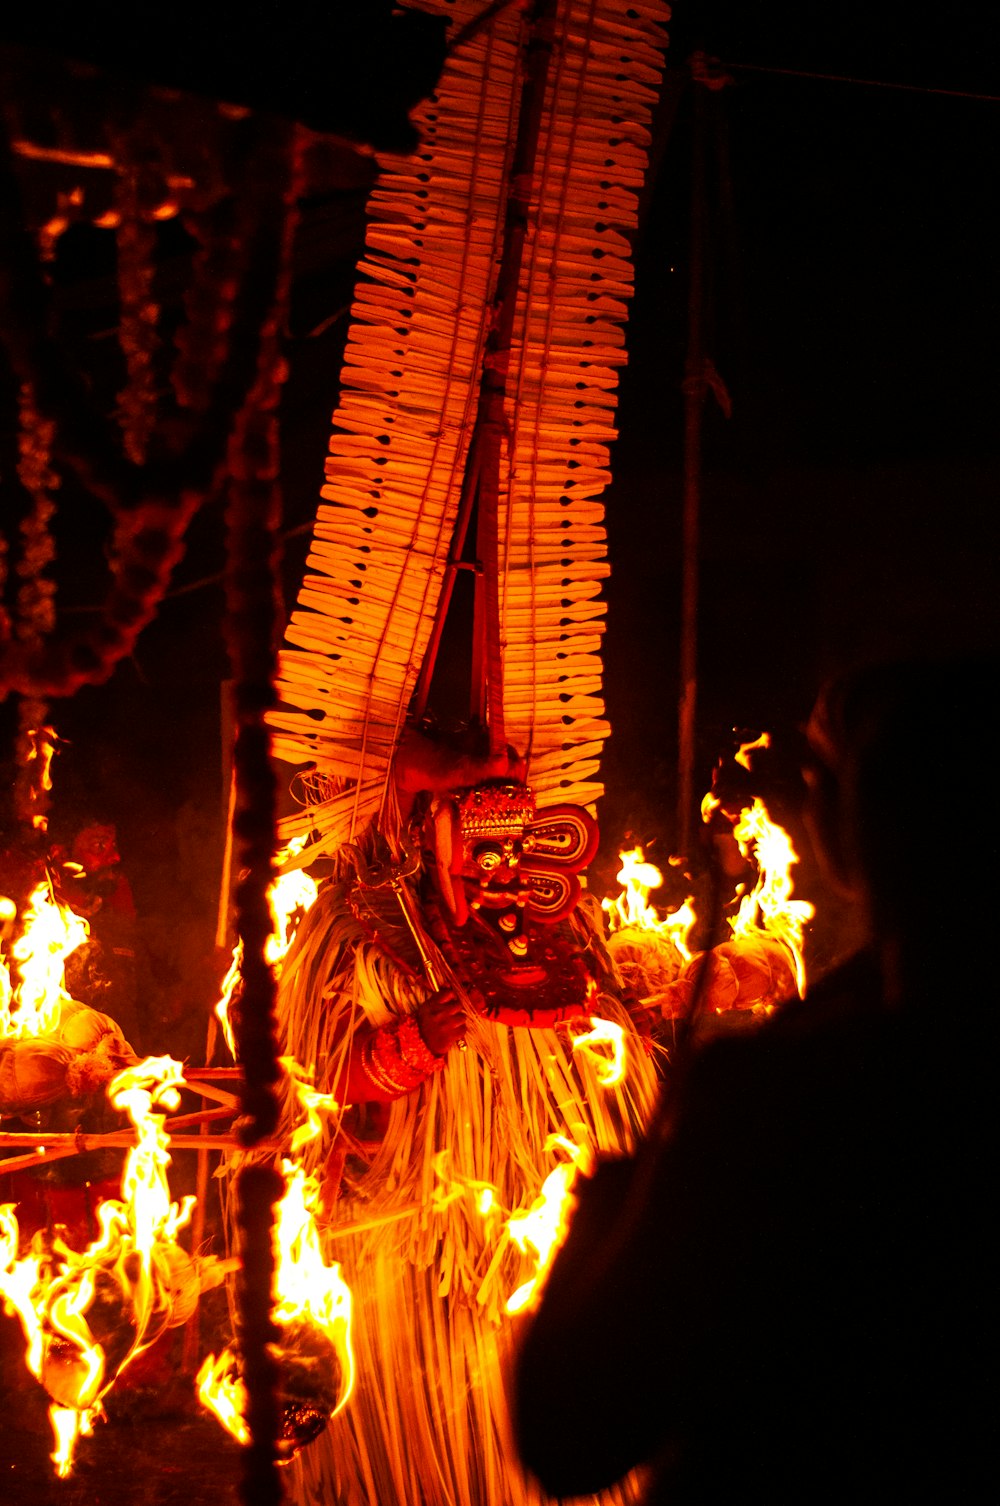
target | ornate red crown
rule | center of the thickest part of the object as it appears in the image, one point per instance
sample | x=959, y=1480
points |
x=495, y=810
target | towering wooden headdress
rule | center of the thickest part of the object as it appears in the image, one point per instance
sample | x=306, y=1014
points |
x=479, y=383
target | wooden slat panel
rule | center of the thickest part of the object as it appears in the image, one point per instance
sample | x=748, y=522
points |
x=408, y=391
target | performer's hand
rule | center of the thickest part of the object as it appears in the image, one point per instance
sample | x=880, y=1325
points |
x=441, y=1022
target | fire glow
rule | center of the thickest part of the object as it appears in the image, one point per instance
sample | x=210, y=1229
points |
x=309, y=1297
x=769, y=905
x=544, y=1225
x=311, y=1300
x=289, y=897
x=86, y=1316
x=51, y=932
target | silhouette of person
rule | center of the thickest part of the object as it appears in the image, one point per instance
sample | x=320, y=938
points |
x=783, y=1293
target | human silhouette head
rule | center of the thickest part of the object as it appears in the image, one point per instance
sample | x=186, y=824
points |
x=901, y=806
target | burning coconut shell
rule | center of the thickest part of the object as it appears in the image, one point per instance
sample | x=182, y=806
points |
x=311, y=1385
x=648, y=962
x=72, y=1374
x=746, y=974
x=98, y=1310
x=77, y=1059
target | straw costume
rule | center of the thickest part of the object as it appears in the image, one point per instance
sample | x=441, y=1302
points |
x=470, y=444
x=430, y=1273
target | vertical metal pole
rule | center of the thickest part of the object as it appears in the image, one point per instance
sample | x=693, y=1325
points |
x=694, y=387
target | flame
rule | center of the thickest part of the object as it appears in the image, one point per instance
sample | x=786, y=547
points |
x=537, y=1231
x=229, y=986
x=18, y=1280
x=311, y=1102
x=222, y=1392
x=304, y=1283
x=149, y=1217
x=769, y=905
x=51, y=932
x=632, y=911
x=41, y=748
x=306, y=1290
x=289, y=896
x=68, y=1425
x=543, y=1226
x=631, y=907
x=57, y=1293
x=743, y=756
x=610, y=1067
x=451, y=1185
x=709, y=804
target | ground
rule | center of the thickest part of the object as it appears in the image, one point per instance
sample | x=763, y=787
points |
x=157, y=1447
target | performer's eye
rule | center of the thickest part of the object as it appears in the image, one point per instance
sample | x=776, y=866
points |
x=488, y=855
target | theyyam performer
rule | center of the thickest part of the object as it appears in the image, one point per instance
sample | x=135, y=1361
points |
x=449, y=987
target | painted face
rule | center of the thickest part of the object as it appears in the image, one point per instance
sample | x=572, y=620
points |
x=507, y=873
x=498, y=856
x=493, y=821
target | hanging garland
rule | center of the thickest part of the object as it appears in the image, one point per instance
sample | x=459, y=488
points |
x=35, y=609
x=151, y=503
x=138, y=313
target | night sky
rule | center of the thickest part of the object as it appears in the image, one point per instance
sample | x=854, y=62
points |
x=849, y=503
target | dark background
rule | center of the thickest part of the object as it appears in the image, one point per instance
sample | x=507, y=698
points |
x=848, y=506
x=849, y=502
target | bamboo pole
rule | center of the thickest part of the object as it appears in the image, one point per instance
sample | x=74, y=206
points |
x=217, y=1095
x=77, y=1143
x=40, y=1156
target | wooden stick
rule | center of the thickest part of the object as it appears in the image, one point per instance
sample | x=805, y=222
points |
x=205, y=1116
x=217, y=1095
x=41, y=1156
x=123, y=1139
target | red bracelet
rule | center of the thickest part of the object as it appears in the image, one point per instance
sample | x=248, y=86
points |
x=396, y=1059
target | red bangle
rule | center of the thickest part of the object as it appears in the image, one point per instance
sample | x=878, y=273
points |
x=396, y=1059
x=414, y=1050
